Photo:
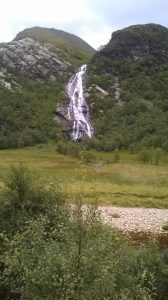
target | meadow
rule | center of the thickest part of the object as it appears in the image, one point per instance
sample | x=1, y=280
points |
x=124, y=183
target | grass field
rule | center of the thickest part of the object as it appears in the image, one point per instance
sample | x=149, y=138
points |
x=126, y=183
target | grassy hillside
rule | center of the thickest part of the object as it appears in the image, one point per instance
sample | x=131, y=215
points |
x=71, y=47
x=137, y=57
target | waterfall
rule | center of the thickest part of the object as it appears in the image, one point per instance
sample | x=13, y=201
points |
x=78, y=110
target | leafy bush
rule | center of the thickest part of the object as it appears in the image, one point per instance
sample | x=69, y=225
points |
x=144, y=156
x=157, y=155
x=65, y=252
x=21, y=200
x=165, y=227
x=62, y=147
x=73, y=150
x=68, y=148
x=116, y=155
x=87, y=157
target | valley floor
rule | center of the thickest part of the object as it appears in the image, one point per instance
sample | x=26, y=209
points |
x=126, y=183
x=132, y=197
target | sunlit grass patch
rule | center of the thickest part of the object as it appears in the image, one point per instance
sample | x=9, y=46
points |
x=126, y=183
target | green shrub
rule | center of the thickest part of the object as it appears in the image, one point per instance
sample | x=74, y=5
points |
x=21, y=200
x=65, y=252
x=157, y=155
x=68, y=148
x=87, y=157
x=62, y=147
x=165, y=227
x=73, y=150
x=144, y=156
x=116, y=155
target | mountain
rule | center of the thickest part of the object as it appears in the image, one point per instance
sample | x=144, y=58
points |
x=71, y=47
x=34, y=70
x=128, y=89
x=135, y=43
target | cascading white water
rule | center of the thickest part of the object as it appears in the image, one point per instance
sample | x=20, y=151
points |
x=78, y=110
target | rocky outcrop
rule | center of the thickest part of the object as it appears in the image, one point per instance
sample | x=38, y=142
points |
x=32, y=59
x=148, y=43
x=139, y=41
x=61, y=113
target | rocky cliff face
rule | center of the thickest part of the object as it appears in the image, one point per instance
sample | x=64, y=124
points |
x=70, y=47
x=32, y=59
x=137, y=41
x=134, y=43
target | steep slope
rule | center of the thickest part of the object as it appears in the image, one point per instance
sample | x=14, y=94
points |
x=71, y=47
x=132, y=70
x=33, y=76
x=34, y=70
x=32, y=80
x=27, y=112
x=135, y=43
x=31, y=59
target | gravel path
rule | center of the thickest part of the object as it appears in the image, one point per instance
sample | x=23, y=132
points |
x=129, y=219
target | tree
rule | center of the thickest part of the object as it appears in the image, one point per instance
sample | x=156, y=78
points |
x=87, y=157
x=73, y=150
x=144, y=156
x=116, y=155
x=157, y=155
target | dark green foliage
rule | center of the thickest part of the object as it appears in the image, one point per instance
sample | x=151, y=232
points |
x=62, y=147
x=133, y=43
x=73, y=150
x=26, y=115
x=137, y=121
x=165, y=227
x=137, y=56
x=76, y=150
x=68, y=148
x=87, y=156
x=21, y=200
x=116, y=155
x=152, y=156
x=144, y=156
x=157, y=155
x=60, y=253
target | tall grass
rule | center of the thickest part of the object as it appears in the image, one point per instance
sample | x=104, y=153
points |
x=125, y=183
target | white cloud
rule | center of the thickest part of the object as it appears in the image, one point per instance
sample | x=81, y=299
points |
x=19, y=13
x=96, y=36
x=93, y=20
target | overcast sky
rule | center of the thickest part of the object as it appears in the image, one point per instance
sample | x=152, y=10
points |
x=92, y=20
